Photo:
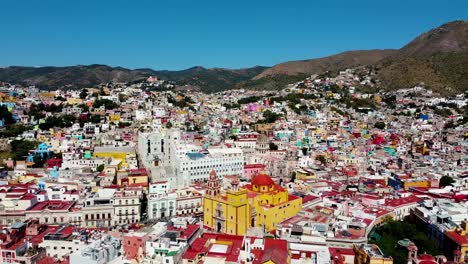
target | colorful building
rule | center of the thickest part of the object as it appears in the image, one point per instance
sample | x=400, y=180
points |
x=226, y=213
x=406, y=182
x=114, y=118
x=370, y=254
x=134, y=178
x=456, y=243
x=262, y=204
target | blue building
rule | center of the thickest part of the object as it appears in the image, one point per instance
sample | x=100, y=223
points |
x=43, y=150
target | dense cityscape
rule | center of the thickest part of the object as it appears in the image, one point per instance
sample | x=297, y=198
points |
x=234, y=132
x=322, y=171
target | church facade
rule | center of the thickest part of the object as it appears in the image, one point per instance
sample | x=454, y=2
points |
x=262, y=204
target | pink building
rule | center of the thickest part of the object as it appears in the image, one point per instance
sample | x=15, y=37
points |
x=252, y=169
x=134, y=245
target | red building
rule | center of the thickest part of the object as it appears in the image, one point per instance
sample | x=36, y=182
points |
x=134, y=245
x=54, y=162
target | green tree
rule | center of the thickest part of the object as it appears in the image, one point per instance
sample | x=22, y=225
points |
x=100, y=168
x=6, y=115
x=108, y=104
x=95, y=119
x=269, y=117
x=393, y=231
x=380, y=125
x=84, y=93
x=446, y=181
x=122, y=97
x=39, y=161
x=322, y=159
x=13, y=130
x=60, y=98
x=273, y=146
x=168, y=124
x=22, y=147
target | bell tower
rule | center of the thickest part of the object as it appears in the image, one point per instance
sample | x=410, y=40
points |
x=213, y=184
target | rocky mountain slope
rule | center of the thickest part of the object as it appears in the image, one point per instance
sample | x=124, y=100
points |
x=438, y=58
x=336, y=62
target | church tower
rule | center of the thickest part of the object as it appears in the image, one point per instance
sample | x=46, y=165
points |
x=214, y=187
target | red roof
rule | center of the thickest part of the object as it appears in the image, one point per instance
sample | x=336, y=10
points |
x=262, y=180
x=457, y=238
x=52, y=205
x=341, y=251
x=402, y=201
x=254, y=166
x=275, y=250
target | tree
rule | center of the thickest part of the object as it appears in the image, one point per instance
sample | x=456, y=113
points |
x=393, y=231
x=450, y=124
x=304, y=151
x=84, y=107
x=273, y=146
x=108, y=104
x=322, y=159
x=269, y=117
x=446, y=181
x=95, y=119
x=84, y=93
x=6, y=115
x=168, y=124
x=122, y=97
x=100, y=168
x=60, y=98
x=22, y=147
x=39, y=161
x=13, y=130
x=380, y=125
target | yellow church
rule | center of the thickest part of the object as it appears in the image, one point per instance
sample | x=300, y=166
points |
x=262, y=203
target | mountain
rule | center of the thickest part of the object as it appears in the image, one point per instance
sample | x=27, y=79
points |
x=75, y=77
x=70, y=77
x=438, y=58
x=331, y=63
x=211, y=80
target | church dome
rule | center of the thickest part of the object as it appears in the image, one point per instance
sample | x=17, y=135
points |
x=263, y=183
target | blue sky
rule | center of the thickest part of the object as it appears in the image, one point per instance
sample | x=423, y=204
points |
x=177, y=34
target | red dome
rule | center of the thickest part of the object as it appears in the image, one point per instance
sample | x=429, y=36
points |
x=262, y=180
x=425, y=257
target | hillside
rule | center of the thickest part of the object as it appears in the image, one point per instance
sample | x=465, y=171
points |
x=76, y=77
x=211, y=80
x=331, y=63
x=438, y=58
x=70, y=77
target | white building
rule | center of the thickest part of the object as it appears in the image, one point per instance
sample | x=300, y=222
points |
x=104, y=250
x=62, y=242
x=169, y=158
x=74, y=161
x=127, y=206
